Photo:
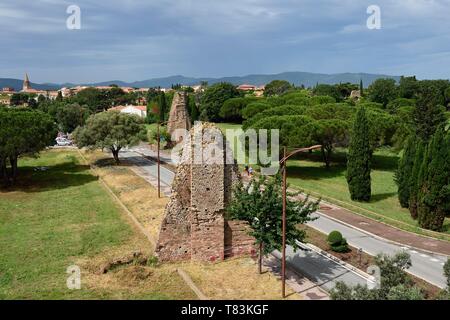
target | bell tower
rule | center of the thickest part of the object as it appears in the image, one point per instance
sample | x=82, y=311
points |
x=26, y=83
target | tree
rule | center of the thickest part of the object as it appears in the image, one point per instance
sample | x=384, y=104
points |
x=260, y=204
x=22, y=132
x=254, y=108
x=192, y=107
x=162, y=106
x=328, y=133
x=408, y=87
x=383, y=91
x=214, y=97
x=96, y=100
x=70, y=116
x=447, y=273
x=361, y=88
x=359, y=159
x=18, y=99
x=404, y=172
x=414, y=178
x=328, y=90
x=277, y=87
x=428, y=114
x=433, y=199
x=112, y=130
x=395, y=284
x=231, y=110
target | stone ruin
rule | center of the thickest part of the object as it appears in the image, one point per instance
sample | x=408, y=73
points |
x=195, y=226
x=179, y=116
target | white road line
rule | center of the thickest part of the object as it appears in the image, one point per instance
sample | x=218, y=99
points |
x=434, y=260
x=424, y=255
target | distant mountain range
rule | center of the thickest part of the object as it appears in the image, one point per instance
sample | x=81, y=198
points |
x=308, y=79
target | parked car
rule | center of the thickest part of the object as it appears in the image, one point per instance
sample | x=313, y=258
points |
x=63, y=142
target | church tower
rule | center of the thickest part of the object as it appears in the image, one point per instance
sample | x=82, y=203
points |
x=26, y=83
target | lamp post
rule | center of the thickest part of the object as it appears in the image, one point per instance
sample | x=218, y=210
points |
x=159, y=123
x=283, y=161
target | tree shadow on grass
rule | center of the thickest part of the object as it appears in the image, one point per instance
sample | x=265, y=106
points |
x=315, y=173
x=382, y=196
x=60, y=176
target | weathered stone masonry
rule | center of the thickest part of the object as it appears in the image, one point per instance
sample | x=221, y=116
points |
x=178, y=115
x=195, y=226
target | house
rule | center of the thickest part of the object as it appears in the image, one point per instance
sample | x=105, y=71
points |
x=247, y=87
x=140, y=111
x=8, y=90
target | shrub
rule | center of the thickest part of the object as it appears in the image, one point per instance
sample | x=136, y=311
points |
x=337, y=242
x=335, y=237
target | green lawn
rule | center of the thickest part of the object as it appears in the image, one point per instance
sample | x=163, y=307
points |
x=312, y=176
x=50, y=220
x=225, y=126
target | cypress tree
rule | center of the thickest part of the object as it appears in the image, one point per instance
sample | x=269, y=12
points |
x=359, y=159
x=162, y=106
x=361, y=88
x=434, y=180
x=414, y=183
x=404, y=171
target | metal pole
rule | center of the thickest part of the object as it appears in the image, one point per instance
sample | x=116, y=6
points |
x=283, y=261
x=159, y=174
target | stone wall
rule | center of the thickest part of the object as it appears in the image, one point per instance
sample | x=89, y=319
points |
x=178, y=115
x=194, y=226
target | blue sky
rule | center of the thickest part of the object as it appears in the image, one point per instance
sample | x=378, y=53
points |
x=135, y=40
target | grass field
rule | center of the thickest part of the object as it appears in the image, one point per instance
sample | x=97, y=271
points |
x=310, y=175
x=63, y=216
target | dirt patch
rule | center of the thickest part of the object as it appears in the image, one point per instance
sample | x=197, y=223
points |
x=134, y=275
x=236, y=278
x=135, y=258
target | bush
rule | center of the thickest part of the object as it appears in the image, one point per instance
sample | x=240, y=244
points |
x=337, y=242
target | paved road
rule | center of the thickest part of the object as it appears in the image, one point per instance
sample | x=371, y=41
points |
x=318, y=268
x=149, y=166
x=424, y=265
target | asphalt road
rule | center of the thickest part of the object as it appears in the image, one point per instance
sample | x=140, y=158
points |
x=323, y=271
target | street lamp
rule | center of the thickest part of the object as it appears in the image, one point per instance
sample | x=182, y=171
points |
x=158, y=157
x=284, y=169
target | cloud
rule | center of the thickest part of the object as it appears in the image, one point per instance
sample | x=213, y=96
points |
x=216, y=38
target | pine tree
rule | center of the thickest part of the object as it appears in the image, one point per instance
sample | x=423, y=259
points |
x=359, y=159
x=404, y=171
x=414, y=183
x=433, y=203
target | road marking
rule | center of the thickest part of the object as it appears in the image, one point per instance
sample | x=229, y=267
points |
x=414, y=251
x=424, y=255
x=434, y=260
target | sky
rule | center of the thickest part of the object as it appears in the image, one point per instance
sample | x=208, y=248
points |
x=134, y=40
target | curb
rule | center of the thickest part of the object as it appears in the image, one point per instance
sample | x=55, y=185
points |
x=379, y=237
